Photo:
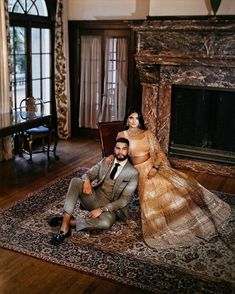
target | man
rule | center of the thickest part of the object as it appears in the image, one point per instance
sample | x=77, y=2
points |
x=106, y=200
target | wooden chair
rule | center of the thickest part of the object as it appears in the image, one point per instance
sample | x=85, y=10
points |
x=108, y=133
x=35, y=105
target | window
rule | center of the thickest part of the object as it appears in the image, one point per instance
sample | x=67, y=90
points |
x=31, y=51
x=115, y=82
x=33, y=7
x=103, y=76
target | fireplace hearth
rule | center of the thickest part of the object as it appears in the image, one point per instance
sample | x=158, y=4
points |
x=198, y=54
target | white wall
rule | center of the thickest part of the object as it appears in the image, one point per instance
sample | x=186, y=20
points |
x=188, y=7
x=107, y=9
x=139, y=9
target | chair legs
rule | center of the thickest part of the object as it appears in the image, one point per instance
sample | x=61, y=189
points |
x=30, y=142
x=47, y=149
x=46, y=142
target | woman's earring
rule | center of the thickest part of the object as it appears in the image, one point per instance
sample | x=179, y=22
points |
x=127, y=125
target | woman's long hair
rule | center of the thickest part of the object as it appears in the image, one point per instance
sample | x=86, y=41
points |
x=140, y=117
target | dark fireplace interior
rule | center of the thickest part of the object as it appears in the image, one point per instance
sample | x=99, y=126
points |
x=203, y=123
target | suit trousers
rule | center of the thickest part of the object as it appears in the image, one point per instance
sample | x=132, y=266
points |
x=76, y=196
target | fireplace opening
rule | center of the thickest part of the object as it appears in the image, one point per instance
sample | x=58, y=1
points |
x=203, y=124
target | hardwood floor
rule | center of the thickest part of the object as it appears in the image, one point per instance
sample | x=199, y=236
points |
x=24, y=274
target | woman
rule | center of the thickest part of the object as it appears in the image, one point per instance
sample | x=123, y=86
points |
x=175, y=209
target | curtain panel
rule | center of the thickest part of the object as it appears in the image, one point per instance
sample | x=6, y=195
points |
x=114, y=102
x=90, y=81
x=111, y=105
x=5, y=97
x=62, y=90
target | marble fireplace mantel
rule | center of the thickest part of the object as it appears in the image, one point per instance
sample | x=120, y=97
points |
x=193, y=52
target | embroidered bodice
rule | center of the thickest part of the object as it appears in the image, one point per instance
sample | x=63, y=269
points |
x=138, y=146
x=147, y=144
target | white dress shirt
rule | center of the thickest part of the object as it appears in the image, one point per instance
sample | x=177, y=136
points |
x=122, y=163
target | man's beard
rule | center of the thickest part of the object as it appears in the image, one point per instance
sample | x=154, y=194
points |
x=121, y=158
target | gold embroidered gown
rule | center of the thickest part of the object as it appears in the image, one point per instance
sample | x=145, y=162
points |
x=175, y=209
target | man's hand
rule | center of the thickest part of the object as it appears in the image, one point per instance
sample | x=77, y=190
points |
x=87, y=187
x=95, y=213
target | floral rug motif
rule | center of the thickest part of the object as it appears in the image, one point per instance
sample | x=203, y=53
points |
x=119, y=254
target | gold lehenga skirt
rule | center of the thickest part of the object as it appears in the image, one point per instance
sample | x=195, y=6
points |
x=176, y=210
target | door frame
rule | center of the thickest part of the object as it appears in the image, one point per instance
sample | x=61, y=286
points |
x=121, y=28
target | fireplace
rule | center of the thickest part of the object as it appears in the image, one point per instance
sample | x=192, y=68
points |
x=203, y=124
x=197, y=54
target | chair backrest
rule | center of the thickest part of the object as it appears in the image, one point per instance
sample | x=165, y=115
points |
x=108, y=133
x=31, y=104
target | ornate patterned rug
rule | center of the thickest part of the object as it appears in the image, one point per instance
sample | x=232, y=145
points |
x=119, y=254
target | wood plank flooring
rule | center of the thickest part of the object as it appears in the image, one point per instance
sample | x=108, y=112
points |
x=23, y=274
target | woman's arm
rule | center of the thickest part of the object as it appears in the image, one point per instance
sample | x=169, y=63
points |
x=156, y=153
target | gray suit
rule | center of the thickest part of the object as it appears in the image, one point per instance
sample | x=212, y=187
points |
x=113, y=195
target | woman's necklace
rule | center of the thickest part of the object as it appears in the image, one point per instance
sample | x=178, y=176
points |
x=134, y=133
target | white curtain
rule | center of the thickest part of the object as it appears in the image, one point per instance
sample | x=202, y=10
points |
x=5, y=143
x=115, y=80
x=62, y=89
x=90, y=81
x=111, y=105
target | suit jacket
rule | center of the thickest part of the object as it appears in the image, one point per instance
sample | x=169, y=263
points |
x=124, y=187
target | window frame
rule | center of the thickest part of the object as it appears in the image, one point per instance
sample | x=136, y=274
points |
x=28, y=22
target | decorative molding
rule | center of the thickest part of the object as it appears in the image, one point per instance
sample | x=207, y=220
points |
x=61, y=96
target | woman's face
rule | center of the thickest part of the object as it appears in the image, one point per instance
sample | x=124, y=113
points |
x=133, y=120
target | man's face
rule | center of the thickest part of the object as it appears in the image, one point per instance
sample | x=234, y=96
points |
x=121, y=151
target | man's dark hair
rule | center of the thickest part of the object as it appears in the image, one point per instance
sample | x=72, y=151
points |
x=122, y=140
